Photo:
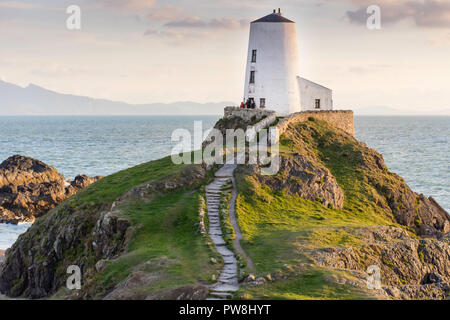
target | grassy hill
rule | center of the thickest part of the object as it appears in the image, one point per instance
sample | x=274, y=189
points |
x=311, y=230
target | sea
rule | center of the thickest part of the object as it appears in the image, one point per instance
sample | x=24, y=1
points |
x=416, y=148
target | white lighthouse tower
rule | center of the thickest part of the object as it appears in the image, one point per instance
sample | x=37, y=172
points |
x=273, y=66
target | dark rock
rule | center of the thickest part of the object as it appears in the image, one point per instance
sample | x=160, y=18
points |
x=404, y=261
x=80, y=182
x=431, y=278
x=30, y=188
x=38, y=261
x=300, y=175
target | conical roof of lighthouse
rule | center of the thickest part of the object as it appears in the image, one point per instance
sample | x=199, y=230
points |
x=274, y=17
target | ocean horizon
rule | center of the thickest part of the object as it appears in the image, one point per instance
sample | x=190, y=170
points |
x=415, y=147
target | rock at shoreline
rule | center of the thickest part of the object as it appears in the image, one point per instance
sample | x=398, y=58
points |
x=30, y=188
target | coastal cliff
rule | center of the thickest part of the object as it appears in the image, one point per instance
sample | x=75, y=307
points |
x=312, y=230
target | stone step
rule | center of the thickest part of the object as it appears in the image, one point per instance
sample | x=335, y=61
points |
x=229, y=260
x=220, y=295
x=229, y=282
x=227, y=277
x=225, y=288
x=217, y=240
x=224, y=251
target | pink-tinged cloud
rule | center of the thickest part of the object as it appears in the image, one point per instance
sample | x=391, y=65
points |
x=18, y=5
x=189, y=28
x=166, y=13
x=130, y=4
x=218, y=23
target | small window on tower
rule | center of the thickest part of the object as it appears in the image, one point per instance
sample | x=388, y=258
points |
x=262, y=103
x=317, y=103
x=254, y=56
x=252, y=76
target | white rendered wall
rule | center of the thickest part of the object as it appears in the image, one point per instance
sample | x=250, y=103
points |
x=310, y=91
x=276, y=68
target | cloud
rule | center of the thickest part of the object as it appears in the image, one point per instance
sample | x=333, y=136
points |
x=179, y=37
x=166, y=13
x=130, y=4
x=217, y=23
x=187, y=29
x=424, y=13
x=18, y=5
x=170, y=34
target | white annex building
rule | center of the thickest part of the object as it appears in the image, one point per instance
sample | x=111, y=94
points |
x=273, y=68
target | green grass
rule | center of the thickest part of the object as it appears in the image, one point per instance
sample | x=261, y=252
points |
x=111, y=187
x=311, y=285
x=274, y=224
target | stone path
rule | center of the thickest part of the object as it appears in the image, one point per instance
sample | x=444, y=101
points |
x=227, y=283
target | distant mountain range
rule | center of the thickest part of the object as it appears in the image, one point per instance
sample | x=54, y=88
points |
x=35, y=100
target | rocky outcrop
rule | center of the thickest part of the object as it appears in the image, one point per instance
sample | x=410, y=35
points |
x=299, y=175
x=349, y=159
x=231, y=122
x=410, y=268
x=80, y=182
x=410, y=209
x=30, y=188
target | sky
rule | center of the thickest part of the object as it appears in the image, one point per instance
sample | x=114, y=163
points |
x=146, y=51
